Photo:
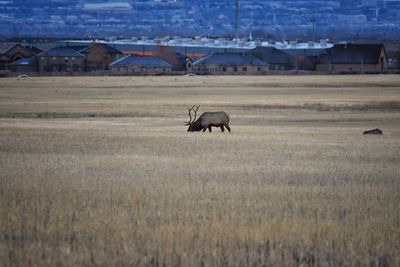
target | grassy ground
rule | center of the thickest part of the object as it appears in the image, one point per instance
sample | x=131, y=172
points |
x=101, y=172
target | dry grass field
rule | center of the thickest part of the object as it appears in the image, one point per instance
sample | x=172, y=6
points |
x=100, y=171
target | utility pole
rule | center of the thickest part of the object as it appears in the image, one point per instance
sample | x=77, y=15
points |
x=314, y=26
x=237, y=18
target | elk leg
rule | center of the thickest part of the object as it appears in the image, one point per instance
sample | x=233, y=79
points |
x=222, y=128
x=209, y=128
x=229, y=128
x=204, y=128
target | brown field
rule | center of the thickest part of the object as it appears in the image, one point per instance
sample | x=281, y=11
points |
x=100, y=171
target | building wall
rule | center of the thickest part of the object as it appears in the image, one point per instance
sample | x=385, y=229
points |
x=61, y=64
x=4, y=62
x=279, y=67
x=349, y=67
x=23, y=68
x=323, y=67
x=97, y=58
x=118, y=70
x=137, y=70
x=33, y=67
x=157, y=71
x=229, y=70
x=134, y=69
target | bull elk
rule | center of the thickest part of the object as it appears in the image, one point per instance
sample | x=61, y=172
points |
x=207, y=120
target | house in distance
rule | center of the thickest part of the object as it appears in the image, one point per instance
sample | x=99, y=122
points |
x=25, y=55
x=61, y=59
x=99, y=56
x=140, y=65
x=230, y=64
x=353, y=58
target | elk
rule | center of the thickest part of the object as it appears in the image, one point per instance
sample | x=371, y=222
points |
x=207, y=120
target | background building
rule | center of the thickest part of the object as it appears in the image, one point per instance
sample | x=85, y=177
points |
x=354, y=58
x=61, y=59
x=339, y=20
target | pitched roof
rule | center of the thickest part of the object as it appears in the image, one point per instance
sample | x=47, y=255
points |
x=34, y=49
x=271, y=55
x=143, y=61
x=28, y=48
x=78, y=48
x=109, y=49
x=60, y=52
x=230, y=59
x=352, y=54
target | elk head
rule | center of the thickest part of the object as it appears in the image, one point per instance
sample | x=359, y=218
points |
x=190, y=123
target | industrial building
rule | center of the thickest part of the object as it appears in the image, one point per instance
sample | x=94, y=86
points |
x=199, y=47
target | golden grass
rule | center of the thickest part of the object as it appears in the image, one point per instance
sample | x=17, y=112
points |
x=108, y=176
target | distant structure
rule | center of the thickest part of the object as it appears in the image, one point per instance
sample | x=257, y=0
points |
x=99, y=56
x=178, y=56
x=21, y=56
x=60, y=59
x=230, y=63
x=278, y=20
x=199, y=47
x=140, y=65
x=106, y=7
x=354, y=57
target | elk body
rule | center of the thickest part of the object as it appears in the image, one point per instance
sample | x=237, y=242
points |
x=207, y=120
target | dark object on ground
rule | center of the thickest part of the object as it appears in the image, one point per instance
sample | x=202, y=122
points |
x=374, y=131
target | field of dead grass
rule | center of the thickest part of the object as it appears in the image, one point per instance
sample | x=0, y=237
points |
x=100, y=171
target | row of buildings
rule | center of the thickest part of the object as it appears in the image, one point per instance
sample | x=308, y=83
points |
x=275, y=20
x=103, y=59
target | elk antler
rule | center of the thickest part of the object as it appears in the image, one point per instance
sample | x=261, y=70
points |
x=195, y=113
x=190, y=116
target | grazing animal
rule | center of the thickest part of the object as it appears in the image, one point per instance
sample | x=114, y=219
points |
x=373, y=131
x=207, y=120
